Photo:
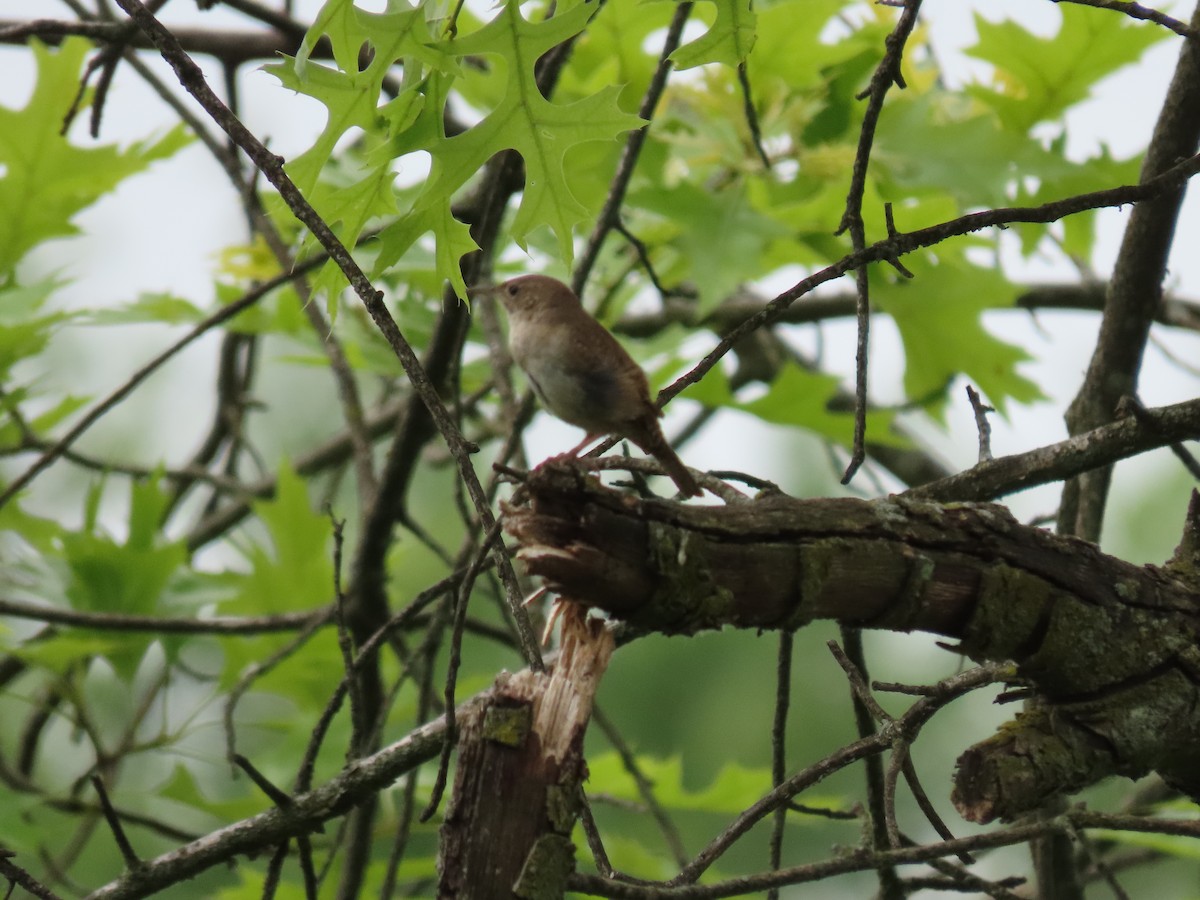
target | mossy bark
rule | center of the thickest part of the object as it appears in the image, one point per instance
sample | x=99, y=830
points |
x=1112, y=649
x=519, y=778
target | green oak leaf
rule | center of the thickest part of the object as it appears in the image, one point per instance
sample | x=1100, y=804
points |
x=541, y=131
x=347, y=200
x=295, y=571
x=1038, y=78
x=729, y=40
x=939, y=313
x=46, y=180
x=802, y=399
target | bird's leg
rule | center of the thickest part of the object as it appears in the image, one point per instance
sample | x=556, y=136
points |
x=575, y=451
x=579, y=448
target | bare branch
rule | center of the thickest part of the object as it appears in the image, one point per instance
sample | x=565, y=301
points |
x=192, y=78
x=982, y=425
x=1136, y=11
x=907, y=242
x=165, y=624
x=231, y=47
x=360, y=780
x=1135, y=290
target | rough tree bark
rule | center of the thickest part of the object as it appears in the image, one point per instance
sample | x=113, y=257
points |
x=518, y=786
x=1110, y=648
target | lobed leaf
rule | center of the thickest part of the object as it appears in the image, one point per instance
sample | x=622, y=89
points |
x=46, y=180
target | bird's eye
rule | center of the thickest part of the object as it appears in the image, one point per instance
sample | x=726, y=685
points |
x=512, y=290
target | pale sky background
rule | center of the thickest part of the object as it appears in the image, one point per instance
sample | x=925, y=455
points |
x=125, y=252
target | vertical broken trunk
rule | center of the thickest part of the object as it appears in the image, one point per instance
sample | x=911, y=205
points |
x=520, y=773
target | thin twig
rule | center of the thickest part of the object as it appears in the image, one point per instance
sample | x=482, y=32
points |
x=643, y=255
x=132, y=862
x=907, y=242
x=366, y=653
x=231, y=46
x=358, y=726
x=891, y=778
x=274, y=794
x=610, y=213
x=18, y=877
x=308, y=871
x=1136, y=11
x=881, y=793
x=403, y=830
x=783, y=693
x=274, y=872
x=591, y=833
x=922, y=798
x=329, y=454
x=1100, y=866
x=751, y=114
x=258, y=670
x=886, y=74
x=645, y=787
x=839, y=815
x=339, y=366
x=193, y=80
x=462, y=597
x=843, y=864
x=909, y=723
x=1084, y=452
x=853, y=667
x=1134, y=406
x=1174, y=311
x=95, y=621
x=982, y=425
x=140, y=375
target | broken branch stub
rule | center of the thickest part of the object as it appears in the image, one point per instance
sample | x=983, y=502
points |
x=519, y=781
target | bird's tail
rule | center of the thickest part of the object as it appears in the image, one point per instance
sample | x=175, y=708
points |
x=653, y=442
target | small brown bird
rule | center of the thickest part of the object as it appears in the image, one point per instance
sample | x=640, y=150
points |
x=579, y=371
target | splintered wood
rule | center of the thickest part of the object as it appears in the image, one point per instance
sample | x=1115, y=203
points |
x=520, y=775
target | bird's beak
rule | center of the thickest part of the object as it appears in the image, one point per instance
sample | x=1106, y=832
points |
x=482, y=290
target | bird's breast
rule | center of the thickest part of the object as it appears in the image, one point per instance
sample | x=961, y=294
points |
x=585, y=397
x=580, y=374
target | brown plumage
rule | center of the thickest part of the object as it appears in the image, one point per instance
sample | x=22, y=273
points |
x=579, y=371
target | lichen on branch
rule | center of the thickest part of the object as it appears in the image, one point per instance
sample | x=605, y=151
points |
x=1110, y=649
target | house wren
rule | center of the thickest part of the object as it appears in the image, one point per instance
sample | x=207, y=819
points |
x=579, y=371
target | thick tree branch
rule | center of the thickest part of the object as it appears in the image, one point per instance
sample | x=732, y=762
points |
x=1120, y=440
x=1124, y=699
x=1135, y=289
x=520, y=776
